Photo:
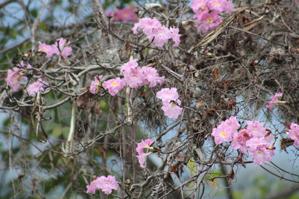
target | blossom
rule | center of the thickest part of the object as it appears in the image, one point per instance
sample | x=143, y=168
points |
x=240, y=139
x=170, y=102
x=141, y=155
x=274, y=100
x=103, y=183
x=293, y=133
x=260, y=147
x=225, y=130
x=156, y=32
x=114, y=85
x=151, y=76
x=50, y=50
x=63, y=48
x=261, y=155
x=220, y=6
x=208, y=13
x=13, y=78
x=136, y=76
x=146, y=25
x=207, y=21
x=256, y=129
x=95, y=85
x=198, y=5
x=171, y=109
x=168, y=94
x=36, y=87
x=160, y=35
x=132, y=73
x=125, y=68
x=175, y=36
x=60, y=47
x=127, y=14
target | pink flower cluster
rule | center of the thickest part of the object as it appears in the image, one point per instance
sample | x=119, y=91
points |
x=226, y=130
x=36, y=87
x=60, y=48
x=274, y=100
x=133, y=77
x=127, y=14
x=114, y=85
x=170, y=102
x=15, y=76
x=95, y=84
x=254, y=139
x=103, y=183
x=208, y=13
x=156, y=32
x=136, y=76
x=293, y=133
x=141, y=155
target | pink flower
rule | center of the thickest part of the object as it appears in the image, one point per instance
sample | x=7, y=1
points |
x=159, y=35
x=146, y=25
x=198, y=5
x=151, y=76
x=256, y=129
x=63, y=48
x=114, y=85
x=240, y=139
x=103, y=183
x=50, y=50
x=274, y=100
x=260, y=148
x=132, y=73
x=171, y=109
x=175, y=36
x=141, y=156
x=167, y=95
x=156, y=32
x=127, y=14
x=127, y=67
x=170, y=102
x=207, y=21
x=14, y=78
x=220, y=6
x=294, y=133
x=95, y=85
x=60, y=47
x=226, y=130
x=36, y=87
x=261, y=155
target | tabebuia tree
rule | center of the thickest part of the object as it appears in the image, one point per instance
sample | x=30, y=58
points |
x=151, y=100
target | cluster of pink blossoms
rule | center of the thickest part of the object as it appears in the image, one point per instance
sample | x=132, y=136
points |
x=141, y=155
x=133, y=77
x=127, y=14
x=94, y=87
x=170, y=102
x=15, y=76
x=254, y=139
x=103, y=183
x=293, y=133
x=36, y=87
x=208, y=13
x=274, y=100
x=156, y=32
x=60, y=48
